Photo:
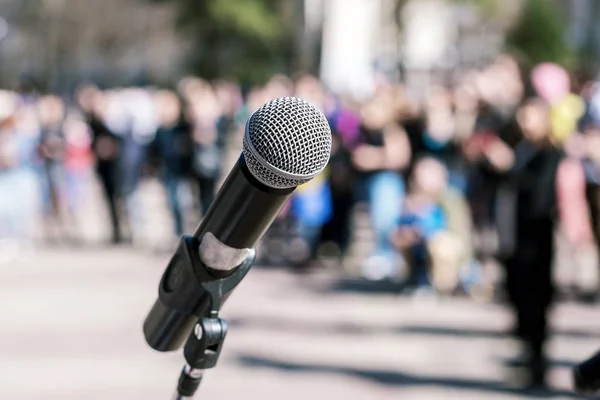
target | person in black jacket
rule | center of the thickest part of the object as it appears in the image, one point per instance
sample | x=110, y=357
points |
x=174, y=144
x=528, y=172
x=105, y=147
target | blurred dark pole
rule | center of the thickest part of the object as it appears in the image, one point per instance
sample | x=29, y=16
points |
x=292, y=11
x=53, y=48
x=307, y=32
x=592, y=32
x=28, y=20
x=398, y=6
x=60, y=41
x=3, y=34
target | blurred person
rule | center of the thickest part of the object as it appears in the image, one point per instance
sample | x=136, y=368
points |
x=582, y=146
x=78, y=163
x=27, y=126
x=505, y=86
x=13, y=216
x=52, y=150
x=576, y=226
x=205, y=113
x=229, y=95
x=553, y=83
x=584, y=161
x=174, y=143
x=345, y=130
x=26, y=92
x=311, y=209
x=310, y=89
x=255, y=98
x=189, y=86
x=495, y=121
x=466, y=102
x=105, y=148
x=382, y=152
x=530, y=169
x=132, y=116
x=422, y=234
x=438, y=137
x=279, y=86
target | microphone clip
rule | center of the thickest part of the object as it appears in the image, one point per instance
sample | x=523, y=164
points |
x=201, y=352
x=189, y=278
x=203, y=348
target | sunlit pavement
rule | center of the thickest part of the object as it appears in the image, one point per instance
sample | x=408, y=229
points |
x=70, y=328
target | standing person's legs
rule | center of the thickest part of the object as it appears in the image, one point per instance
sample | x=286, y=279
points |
x=172, y=183
x=386, y=194
x=538, y=316
x=591, y=194
x=533, y=291
x=133, y=158
x=337, y=229
x=55, y=178
x=342, y=227
x=306, y=245
x=207, y=188
x=108, y=180
x=593, y=200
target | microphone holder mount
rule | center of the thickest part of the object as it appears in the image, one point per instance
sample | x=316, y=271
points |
x=204, y=344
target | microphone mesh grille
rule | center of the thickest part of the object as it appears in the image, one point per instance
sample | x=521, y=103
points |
x=290, y=142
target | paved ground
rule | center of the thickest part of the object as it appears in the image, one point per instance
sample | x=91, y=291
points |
x=70, y=328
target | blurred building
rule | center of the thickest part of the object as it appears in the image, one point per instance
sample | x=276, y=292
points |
x=113, y=41
x=421, y=42
x=349, y=45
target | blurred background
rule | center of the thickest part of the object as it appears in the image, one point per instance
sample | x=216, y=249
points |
x=450, y=247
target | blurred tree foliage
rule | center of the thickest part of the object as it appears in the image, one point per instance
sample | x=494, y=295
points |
x=539, y=36
x=245, y=39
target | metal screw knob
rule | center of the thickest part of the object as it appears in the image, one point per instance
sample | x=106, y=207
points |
x=198, y=331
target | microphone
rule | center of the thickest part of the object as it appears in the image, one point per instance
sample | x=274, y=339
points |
x=287, y=142
x=586, y=376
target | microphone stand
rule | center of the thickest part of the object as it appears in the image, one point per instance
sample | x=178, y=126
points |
x=203, y=346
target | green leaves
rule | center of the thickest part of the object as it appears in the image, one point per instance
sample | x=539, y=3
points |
x=245, y=39
x=540, y=34
x=253, y=18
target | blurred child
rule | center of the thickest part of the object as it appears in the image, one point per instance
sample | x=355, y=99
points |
x=52, y=149
x=422, y=218
x=78, y=163
x=433, y=252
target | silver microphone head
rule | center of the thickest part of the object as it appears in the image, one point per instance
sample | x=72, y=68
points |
x=287, y=142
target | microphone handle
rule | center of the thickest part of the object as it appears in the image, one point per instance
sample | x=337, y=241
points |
x=241, y=213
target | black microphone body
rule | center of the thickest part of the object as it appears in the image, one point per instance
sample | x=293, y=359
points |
x=587, y=375
x=242, y=211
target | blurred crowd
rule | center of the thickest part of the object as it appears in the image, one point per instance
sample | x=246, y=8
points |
x=494, y=165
